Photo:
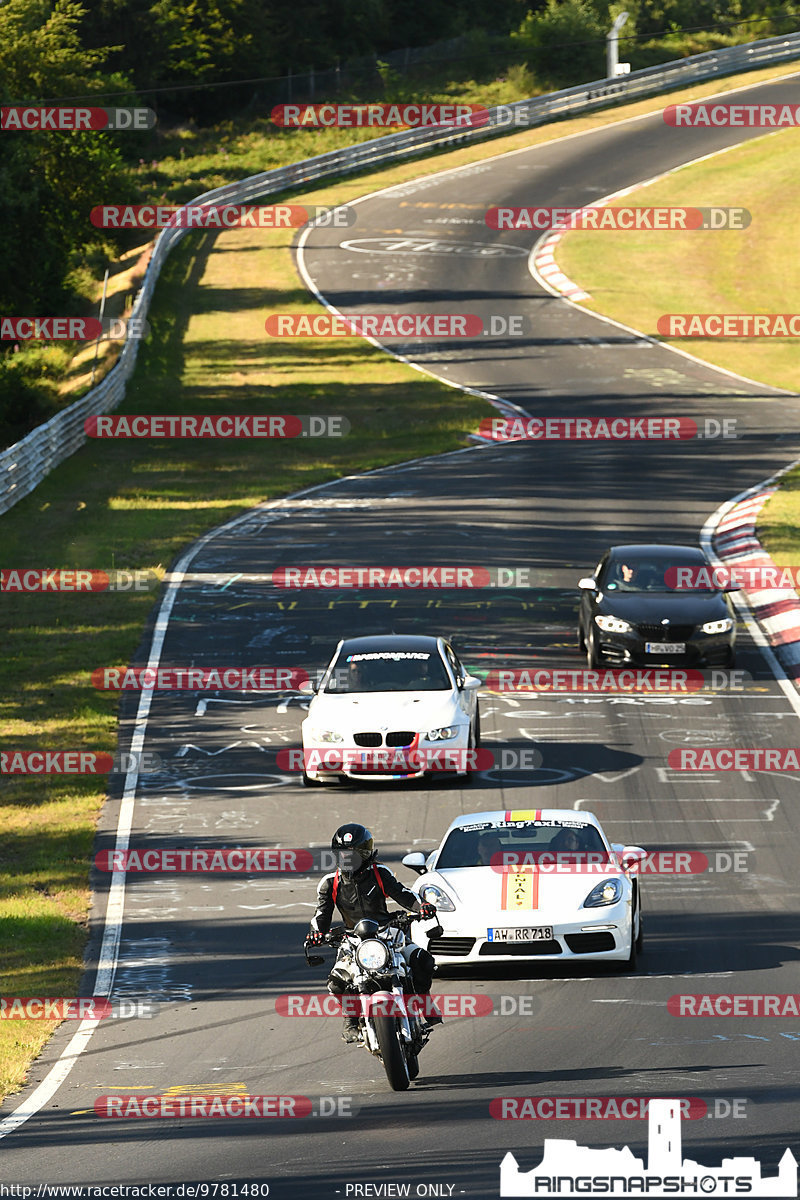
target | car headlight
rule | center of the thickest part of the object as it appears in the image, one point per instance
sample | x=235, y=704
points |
x=431, y=894
x=609, y=891
x=442, y=735
x=372, y=955
x=723, y=626
x=326, y=735
x=612, y=624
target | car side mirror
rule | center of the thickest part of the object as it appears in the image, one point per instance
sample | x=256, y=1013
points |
x=631, y=856
x=470, y=682
x=415, y=861
x=588, y=584
x=308, y=688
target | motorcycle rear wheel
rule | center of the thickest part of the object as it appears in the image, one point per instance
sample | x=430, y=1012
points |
x=392, y=1055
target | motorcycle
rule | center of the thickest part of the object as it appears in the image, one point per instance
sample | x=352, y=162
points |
x=389, y=1027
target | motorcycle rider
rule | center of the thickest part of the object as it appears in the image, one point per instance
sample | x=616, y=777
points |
x=358, y=888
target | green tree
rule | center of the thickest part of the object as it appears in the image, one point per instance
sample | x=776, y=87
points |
x=564, y=42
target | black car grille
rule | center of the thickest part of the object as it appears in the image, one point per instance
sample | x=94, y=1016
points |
x=402, y=737
x=590, y=943
x=457, y=947
x=398, y=737
x=368, y=739
x=666, y=633
x=551, y=947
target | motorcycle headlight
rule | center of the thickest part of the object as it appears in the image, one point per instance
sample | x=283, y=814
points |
x=609, y=891
x=612, y=624
x=326, y=735
x=723, y=626
x=431, y=894
x=442, y=735
x=372, y=955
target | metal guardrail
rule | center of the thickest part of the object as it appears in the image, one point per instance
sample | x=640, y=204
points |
x=25, y=464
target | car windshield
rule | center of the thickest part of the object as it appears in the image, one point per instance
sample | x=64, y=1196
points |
x=388, y=671
x=657, y=574
x=523, y=842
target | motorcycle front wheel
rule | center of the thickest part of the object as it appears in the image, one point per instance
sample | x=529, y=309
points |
x=392, y=1056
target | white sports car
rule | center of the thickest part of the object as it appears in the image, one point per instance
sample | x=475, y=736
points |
x=390, y=707
x=533, y=884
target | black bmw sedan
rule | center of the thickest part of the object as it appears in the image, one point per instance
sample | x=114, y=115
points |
x=654, y=606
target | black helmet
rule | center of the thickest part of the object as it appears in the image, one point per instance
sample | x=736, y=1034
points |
x=354, y=848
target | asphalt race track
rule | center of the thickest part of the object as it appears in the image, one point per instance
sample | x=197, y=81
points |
x=215, y=951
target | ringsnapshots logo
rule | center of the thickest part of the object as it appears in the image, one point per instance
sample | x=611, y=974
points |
x=568, y=1170
x=617, y=219
x=45, y=118
x=605, y=429
x=222, y=426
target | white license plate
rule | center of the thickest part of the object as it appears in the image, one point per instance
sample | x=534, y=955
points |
x=665, y=647
x=522, y=933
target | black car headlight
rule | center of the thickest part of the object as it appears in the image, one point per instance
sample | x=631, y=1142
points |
x=608, y=891
x=612, y=624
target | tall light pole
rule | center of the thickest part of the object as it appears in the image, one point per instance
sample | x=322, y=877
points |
x=612, y=55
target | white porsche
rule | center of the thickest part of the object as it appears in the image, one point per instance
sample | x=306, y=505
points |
x=532, y=884
x=391, y=707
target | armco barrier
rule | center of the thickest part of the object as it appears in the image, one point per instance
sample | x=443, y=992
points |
x=24, y=465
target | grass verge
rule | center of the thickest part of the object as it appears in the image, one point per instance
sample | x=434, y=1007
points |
x=637, y=277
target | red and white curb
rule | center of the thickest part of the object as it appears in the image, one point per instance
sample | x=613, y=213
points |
x=777, y=610
x=544, y=264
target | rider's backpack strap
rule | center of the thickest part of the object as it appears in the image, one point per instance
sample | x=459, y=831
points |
x=335, y=888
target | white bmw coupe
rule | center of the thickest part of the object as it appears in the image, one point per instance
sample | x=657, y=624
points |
x=532, y=884
x=390, y=707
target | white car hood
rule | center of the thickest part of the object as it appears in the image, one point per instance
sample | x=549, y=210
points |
x=477, y=893
x=395, y=710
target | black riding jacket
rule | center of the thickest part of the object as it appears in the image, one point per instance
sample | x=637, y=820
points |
x=362, y=897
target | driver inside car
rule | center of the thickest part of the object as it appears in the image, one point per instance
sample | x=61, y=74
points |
x=359, y=888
